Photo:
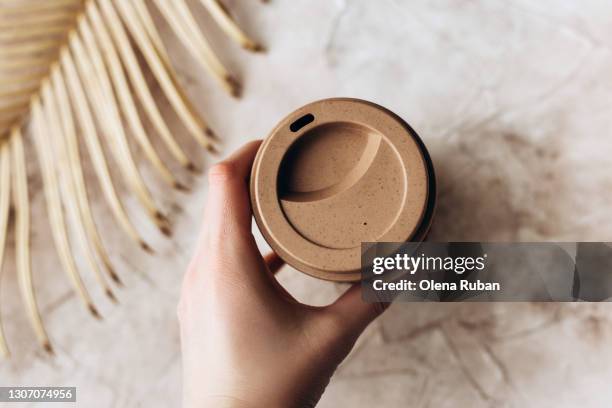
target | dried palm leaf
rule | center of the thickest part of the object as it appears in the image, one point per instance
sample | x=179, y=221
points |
x=22, y=236
x=222, y=16
x=54, y=205
x=5, y=198
x=69, y=68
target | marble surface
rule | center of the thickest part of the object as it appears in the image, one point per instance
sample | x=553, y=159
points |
x=513, y=100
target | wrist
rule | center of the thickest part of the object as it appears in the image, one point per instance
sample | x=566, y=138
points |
x=232, y=402
x=219, y=402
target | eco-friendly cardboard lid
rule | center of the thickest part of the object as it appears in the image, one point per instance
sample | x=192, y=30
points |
x=336, y=173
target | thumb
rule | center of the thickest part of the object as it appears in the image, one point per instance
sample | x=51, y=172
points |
x=226, y=230
x=228, y=209
x=355, y=313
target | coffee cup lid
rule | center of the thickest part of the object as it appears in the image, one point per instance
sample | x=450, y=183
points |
x=336, y=173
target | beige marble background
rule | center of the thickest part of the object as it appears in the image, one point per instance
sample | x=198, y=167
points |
x=513, y=99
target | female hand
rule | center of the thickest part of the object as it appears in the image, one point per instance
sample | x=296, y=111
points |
x=246, y=342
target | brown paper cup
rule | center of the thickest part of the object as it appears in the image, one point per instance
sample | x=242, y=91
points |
x=336, y=173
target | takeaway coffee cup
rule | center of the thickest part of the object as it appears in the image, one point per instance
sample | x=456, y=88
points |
x=336, y=173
